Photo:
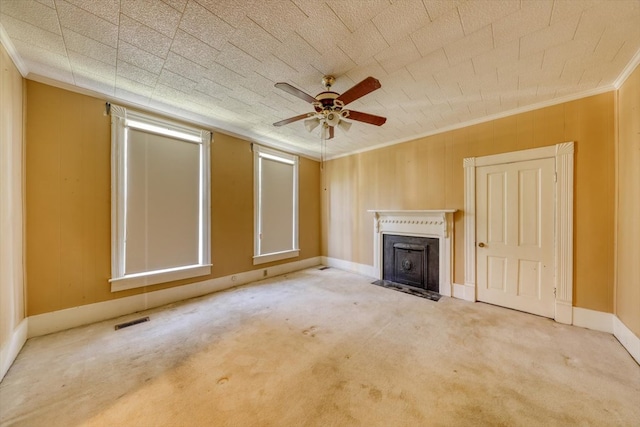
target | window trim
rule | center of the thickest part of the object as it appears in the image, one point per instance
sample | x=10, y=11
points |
x=263, y=152
x=121, y=120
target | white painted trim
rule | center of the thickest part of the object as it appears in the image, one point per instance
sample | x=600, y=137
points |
x=121, y=119
x=47, y=323
x=563, y=154
x=464, y=292
x=592, y=319
x=354, y=267
x=154, y=277
x=13, y=53
x=519, y=156
x=260, y=153
x=624, y=75
x=485, y=119
x=627, y=338
x=13, y=346
x=276, y=256
x=609, y=323
x=564, y=231
x=424, y=223
x=469, y=165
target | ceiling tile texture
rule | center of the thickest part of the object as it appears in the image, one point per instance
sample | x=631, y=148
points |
x=442, y=64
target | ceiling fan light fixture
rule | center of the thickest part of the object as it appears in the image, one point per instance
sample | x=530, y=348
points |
x=311, y=124
x=333, y=118
x=345, y=126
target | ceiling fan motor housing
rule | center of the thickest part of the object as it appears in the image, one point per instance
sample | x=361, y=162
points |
x=326, y=101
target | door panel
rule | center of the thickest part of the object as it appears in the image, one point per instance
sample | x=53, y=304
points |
x=529, y=210
x=497, y=273
x=529, y=278
x=496, y=187
x=515, y=233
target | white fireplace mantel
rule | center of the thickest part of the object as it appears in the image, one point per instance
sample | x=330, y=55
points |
x=423, y=223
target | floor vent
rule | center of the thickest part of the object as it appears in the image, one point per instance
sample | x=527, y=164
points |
x=324, y=268
x=132, y=322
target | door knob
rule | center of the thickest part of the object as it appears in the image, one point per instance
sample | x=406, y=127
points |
x=481, y=245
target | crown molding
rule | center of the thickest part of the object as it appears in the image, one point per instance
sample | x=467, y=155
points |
x=631, y=66
x=215, y=126
x=13, y=53
x=508, y=113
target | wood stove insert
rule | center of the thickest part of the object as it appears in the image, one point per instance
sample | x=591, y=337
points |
x=412, y=261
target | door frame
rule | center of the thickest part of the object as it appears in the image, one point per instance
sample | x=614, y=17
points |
x=563, y=154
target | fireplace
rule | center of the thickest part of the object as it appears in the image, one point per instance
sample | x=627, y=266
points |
x=435, y=225
x=411, y=260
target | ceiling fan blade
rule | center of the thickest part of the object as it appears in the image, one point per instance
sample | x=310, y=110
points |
x=366, y=86
x=292, y=119
x=366, y=118
x=295, y=92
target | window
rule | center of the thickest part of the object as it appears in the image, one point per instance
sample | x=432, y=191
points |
x=275, y=205
x=160, y=200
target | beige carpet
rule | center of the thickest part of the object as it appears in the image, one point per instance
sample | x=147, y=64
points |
x=323, y=348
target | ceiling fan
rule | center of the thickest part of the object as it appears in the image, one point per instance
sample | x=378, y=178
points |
x=329, y=106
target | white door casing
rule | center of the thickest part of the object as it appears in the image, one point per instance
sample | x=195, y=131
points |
x=514, y=233
x=562, y=213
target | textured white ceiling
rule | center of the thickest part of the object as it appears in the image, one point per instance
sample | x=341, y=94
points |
x=441, y=63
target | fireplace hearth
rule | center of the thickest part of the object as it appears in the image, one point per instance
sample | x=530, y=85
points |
x=412, y=261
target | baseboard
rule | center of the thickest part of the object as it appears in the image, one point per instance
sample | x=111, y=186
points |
x=9, y=352
x=592, y=319
x=60, y=320
x=627, y=338
x=610, y=323
x=365, y=270
x=465, y=292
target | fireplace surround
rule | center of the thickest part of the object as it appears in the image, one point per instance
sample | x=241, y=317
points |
x=436, y=224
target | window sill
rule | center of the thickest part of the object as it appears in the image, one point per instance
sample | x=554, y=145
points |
x=160, y=276
x=275, y=256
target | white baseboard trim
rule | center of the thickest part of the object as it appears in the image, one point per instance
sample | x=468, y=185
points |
x=610, y=323
x=9, y=352
x=365, y=270
x=592, y=319
x=60, y=320
x=464, y=292
x=627, y=338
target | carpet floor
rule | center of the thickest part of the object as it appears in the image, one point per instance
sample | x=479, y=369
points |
x=323, y=348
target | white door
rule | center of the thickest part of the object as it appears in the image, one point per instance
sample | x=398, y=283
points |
x=515, y=235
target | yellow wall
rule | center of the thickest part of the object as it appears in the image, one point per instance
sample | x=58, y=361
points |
x=68, y=199
x=427, y=173
x=628, y=225
x=11, y=202
x=68, y=203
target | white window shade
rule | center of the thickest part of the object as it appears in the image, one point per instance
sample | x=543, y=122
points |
x=162, y=203
x=276, y=205
x=160, y=200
